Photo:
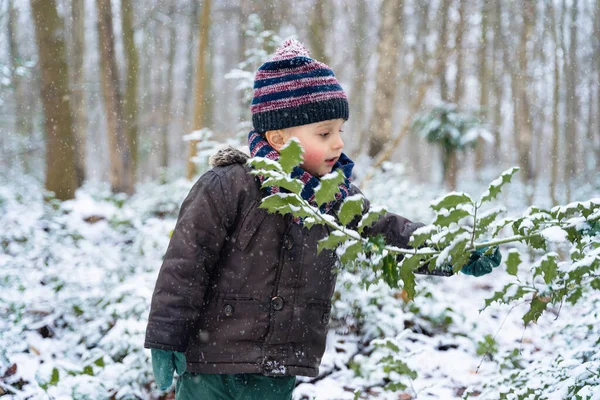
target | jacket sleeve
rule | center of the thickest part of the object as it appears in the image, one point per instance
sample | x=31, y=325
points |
x=397, y=231
x=193, y=251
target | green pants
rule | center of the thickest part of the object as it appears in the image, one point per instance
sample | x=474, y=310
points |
x=234, y=387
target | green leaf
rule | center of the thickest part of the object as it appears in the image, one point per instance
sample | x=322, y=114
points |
x=453, y=216
x=88, y=370
x=351, y=252
x=329, y=187
x=450, y=200
x=351, y=207
x=290, y=155
x=99, y=362
x=496, y=186
x=332, y=241
x=408, y=279
x=537, y=307
x=548, y=267
x=484, y=222
x=512, y=263
x=261, y=163
x=293, y=185
x=390, y=271
x=54, y=377
x=371, y=216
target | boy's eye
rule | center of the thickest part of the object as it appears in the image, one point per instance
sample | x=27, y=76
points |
x=324, y=134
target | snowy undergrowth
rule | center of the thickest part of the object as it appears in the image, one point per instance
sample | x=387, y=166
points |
x=76, y=281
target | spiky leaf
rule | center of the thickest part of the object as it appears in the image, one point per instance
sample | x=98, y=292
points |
x=512, y=263
x=453, y=216
x=332, y=241
x=290, y=155
x=450, y=200
x=371, y=216
x=536, y=308
x=408, y=279
x=350, y=209
x=329, y=187
x=496, y=186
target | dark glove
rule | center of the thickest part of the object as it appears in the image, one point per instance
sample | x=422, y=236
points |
x=480, y=264
x=164, y=364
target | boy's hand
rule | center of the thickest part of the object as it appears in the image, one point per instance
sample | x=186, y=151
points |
x=480, y=264
x=164, y=363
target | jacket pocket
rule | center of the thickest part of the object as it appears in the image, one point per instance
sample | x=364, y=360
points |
x=249, y=226
x=309, y=325
x=232, y=317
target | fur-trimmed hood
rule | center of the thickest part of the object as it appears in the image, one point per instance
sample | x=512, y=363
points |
x=227, y=156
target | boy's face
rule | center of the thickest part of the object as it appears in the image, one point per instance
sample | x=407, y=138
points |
x=322, y=143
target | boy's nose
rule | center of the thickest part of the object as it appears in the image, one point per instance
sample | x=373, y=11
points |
x=339, y=143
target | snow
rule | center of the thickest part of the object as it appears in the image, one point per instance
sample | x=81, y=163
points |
x=554, y=234
x=76, y=283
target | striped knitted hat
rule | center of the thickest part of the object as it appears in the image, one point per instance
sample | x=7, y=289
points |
x=292, y=89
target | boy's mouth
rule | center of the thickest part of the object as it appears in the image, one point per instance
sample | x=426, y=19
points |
x=331, y=160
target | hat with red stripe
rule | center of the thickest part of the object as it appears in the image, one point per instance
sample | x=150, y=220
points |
x=292, y=89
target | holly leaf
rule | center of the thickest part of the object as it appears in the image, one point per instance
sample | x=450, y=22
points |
x=536, y=308
x=408, y=277
x=332, y=241
x=548, y=267
x=290, y=155
x=351, y=207
x=450, y=200
x=484, y=222
x=371, y=216
x=329, y=187
x=265, y=164
x=496, y=186
x=454, y=215
x=512, y=262
x=351, y=252
x=390, y=271
x=293, y=185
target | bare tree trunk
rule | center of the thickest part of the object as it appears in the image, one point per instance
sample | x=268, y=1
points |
x=23, y=120
x=121, y=176
x=443, y=42
x=390, y=37
x=523, y=131
x=167, y=104
x=200, y=103
x=460, y=29
x=572, y=103
x=597, y=51
x=318, y=27
x=60, y=165
x=484, y=79
x=361, y=59
x=555, y=104
x=130, y=105
x=498, y=78
x=77, y=92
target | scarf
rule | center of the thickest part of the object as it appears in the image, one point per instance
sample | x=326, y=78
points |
x=259, y=147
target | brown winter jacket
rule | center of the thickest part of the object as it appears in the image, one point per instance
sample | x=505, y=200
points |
x=241, y=290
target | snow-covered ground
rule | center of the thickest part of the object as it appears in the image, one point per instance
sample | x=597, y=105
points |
x=76, y=281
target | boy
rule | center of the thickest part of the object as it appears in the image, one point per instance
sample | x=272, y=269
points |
x=242, y=301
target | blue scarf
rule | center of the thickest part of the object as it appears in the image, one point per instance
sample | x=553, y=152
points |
x=259, y=147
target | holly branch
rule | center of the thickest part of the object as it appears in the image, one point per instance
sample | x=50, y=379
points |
x=460, y=226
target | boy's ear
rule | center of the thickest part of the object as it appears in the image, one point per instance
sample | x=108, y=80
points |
x=276, y=138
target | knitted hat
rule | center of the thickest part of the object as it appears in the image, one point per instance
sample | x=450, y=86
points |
x=292, y=89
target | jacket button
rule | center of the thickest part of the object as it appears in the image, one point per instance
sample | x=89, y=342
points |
x=228, y=310
x=325, y=317
x=277, y=303
x=288, y=243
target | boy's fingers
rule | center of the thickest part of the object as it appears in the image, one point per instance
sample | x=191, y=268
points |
x=162, y=367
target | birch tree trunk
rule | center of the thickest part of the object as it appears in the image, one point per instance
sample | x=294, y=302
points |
x=460, y=29
x=555, y=103
x=200, y=102
x=497, y=78
x=167, y=103
x=571, y=102
x=121, y=177
x=361, y=59
x=318, y=27
x=443, y=43
x=390, y=34
x=130, y=103
x=78, y=106
x=60, y=165
x=484, y=79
